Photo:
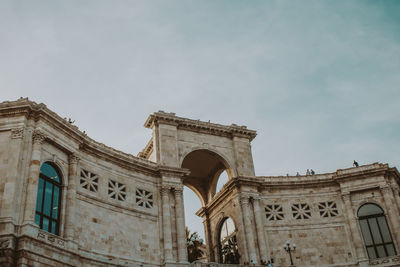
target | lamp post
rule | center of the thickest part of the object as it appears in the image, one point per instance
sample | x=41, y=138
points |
x=289, y=250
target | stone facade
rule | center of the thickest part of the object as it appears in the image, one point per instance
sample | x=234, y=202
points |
x=117, y=209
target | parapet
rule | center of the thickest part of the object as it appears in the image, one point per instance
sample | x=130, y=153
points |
x=199, y=126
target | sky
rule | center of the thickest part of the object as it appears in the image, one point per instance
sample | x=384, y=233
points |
x=318, y=80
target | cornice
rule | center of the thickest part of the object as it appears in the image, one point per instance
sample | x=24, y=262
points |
x=374, y=169
x=172, y=171
x=162, y=117
x=119, y=158
x=40, y=112
x=146, y=152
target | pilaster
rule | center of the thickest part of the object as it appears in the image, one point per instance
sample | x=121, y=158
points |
x=180, y=225
x=33, y=177
x=166, y=219
x=392, y=216
x=259, y=219
x=70, y=219
x=244, y=202
x=355, y=235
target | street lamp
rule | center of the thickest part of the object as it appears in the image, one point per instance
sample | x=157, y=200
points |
x=289, y=250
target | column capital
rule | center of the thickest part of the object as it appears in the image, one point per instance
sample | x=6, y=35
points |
x=73, y=158
x=38, y=136
x=178, y=191
x=164, y=189
x=17, y=133
x=244, y=200
x=346, y=196
x=384, y=188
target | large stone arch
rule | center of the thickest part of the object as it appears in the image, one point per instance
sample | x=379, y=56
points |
x=200, y=151
x=173, y=138
x=205, y=166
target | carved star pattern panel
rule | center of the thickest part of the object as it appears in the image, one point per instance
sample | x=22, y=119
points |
x=144, y=198
x=301, y=211
x=89, y=181
x=274, y=212
x=116, y=190
x=328, y=209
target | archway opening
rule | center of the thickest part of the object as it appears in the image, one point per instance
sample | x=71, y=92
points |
x=205, y=169
x=222, y=180
x=195, y=236
x=228, y=248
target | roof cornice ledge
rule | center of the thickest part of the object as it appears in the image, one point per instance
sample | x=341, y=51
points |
x=162, y=117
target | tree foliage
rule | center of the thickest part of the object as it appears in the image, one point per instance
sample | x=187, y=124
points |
x=193, y=244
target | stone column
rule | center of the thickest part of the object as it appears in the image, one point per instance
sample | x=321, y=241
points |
x=180, y=225
x=244, y=201
x=70, y=219
x=259, y=218
x=355, y=235
x=33, y=177
x=392, y=215
x=166, y=219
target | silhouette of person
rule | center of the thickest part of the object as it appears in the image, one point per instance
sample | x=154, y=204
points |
x=355, y=163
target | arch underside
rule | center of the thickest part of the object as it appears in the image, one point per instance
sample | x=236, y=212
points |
x=205, y=167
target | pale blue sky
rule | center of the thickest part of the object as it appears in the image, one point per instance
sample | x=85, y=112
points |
x=318, y=80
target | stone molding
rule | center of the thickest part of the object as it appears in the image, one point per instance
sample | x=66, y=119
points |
x=172, y=171
x=51, y=239
x=37, y=112
x=146, y=152
x=394, y=259
x=199, y=126
x=5, y=243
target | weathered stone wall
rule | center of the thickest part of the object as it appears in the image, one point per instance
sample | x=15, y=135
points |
x=313, y=219
x=121, y=210
x=116, y=221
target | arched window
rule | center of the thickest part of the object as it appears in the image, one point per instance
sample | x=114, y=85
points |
x=228, y=243
x=375, y=231
x=48, y=198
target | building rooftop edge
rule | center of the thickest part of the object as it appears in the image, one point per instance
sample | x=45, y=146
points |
x=198, y=125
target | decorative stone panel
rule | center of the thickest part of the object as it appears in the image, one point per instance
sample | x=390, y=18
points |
x=274, y=212
x=17, y=133
x=144, y=198
x=89, y=181
x=116, y=190
x=328, y=209
x=51, y=239
x=301, y=211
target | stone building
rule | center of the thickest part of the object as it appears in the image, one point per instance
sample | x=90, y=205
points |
x=67, y=200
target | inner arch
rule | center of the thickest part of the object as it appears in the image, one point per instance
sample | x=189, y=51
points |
x=205, y=167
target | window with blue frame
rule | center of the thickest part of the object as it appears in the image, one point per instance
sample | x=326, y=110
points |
x=48, y=199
